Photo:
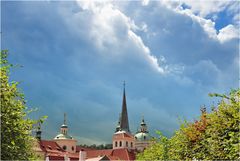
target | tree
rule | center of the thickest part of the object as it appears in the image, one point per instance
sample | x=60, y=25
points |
x=158, y=150
x=214, y=135
x=16, y=139
x=223, y=130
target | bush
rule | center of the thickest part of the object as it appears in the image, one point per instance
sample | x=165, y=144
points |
x=214, y=136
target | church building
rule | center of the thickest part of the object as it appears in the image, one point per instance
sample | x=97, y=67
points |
x=122, y=138
x=125, y=145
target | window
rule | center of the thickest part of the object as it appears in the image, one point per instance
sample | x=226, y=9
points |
x=72, y=148
x=126, y=144
x=116, y=144
x=120, y=143
x=144, y=137
x=64, y=147
x=131, y=144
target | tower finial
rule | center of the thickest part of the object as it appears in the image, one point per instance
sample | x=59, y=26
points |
x=64, y=122
x=124, y=84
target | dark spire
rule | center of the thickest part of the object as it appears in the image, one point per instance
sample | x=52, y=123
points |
x=124, y=116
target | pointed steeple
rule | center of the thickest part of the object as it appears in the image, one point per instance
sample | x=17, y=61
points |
x=124, y=125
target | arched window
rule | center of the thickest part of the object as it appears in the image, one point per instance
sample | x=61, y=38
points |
x=126, y=144
x=72, y=148
x=120, y=143
x=64, y=147
x=144, y=137
x=116, y=144
x=131, y=144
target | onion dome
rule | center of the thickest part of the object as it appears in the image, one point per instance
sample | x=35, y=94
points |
x=141, y=136
x=62, y=136
x=64, y=131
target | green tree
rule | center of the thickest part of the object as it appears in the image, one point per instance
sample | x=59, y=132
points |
x=223, y=133
x=214, y=135
x=158, y=150
x=16, y=139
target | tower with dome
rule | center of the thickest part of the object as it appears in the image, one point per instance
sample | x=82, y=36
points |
x=142, y=137
x=64, y=140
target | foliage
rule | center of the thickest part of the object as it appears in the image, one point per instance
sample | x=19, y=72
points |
x=160, y=148
x=16, y=139
x=99, y=147
x=214, y=136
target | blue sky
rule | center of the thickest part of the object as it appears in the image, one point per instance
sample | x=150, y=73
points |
x=76, y=55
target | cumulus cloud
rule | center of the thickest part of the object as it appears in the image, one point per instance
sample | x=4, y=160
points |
x=204, y=8
x=111, y=30
x=227, y=33
x=145, y=2
x=150, y=58
x=76, y=54
x=198, y=10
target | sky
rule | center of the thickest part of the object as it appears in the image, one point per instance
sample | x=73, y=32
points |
x=75, y=56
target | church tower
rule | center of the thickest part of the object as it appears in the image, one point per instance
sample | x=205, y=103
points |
x=64, y=127
x=142, y=137
x=124, y=125
x=122, y=138
x=67, y=142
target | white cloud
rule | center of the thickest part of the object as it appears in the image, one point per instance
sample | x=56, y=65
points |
x=150, y=58
x=145, y=2
x=227, y=33
x=204, y=8
x=207, y=24
x=110, y=28
x=200, y=9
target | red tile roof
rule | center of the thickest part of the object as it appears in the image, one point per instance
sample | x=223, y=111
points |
x=50, y=146
x=122, y=135
x=55, y=152
x=116, y=154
